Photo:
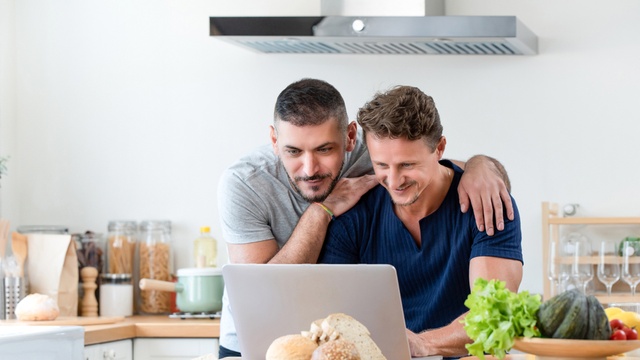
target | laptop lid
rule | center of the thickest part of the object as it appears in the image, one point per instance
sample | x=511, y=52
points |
x=268, y=301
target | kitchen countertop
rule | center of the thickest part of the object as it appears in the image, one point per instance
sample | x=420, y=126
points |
x=154, y=326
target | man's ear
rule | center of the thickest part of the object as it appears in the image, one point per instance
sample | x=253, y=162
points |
x=352, y=134
x=274, y=138
x=440, y=147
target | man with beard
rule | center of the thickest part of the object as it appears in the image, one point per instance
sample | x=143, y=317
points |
x=412, y=221
x=276, y=203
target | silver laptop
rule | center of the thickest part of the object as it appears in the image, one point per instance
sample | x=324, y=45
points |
x=268, y=301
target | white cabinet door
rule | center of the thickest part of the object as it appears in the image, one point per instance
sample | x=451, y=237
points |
x=115, y=350
x=173, y=348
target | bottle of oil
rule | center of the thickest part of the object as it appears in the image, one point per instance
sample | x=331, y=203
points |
x=205, y=249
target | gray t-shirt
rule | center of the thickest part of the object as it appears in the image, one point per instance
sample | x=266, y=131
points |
x=256, y=202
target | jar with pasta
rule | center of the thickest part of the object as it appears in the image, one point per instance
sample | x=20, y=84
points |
x=155, y=262
x=121, y=247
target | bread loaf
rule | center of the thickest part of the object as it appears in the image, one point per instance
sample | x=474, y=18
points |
x=352, y=330
x=291, y=347
x=339, y=349
x=37, y=307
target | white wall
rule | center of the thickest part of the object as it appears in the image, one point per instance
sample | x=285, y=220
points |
x=129, y=110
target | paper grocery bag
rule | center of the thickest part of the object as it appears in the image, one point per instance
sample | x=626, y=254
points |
x=53, y=270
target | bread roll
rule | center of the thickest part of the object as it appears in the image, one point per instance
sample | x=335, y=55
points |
x=37, y=307
x=291, y=347
x=336, y=350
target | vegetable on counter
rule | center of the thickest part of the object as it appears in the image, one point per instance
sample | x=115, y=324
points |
x=497, y=316
x=573, y=315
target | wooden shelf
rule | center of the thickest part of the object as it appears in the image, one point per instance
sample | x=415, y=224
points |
x=551, y=223
x=594, y=221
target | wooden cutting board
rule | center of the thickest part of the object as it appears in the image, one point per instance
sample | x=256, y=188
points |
x=72, y=320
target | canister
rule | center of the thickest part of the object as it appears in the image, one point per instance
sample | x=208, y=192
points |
x=116, y=295
x=155, y=262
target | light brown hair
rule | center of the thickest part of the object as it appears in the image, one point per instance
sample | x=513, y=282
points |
x=402, y=112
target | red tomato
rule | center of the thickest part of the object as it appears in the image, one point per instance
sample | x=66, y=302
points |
x=618, y=334
x=616, y=324
x=631, y=334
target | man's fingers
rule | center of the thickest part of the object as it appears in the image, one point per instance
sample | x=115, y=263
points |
x=497, y=213
x=487, y=208
x=476, y=205
x=464, y=199
x=506, y=200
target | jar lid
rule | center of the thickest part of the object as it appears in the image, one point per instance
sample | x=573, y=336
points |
x=122, y=225
x=43, y=229
x=207, y=271
x=164, y=225
x=116, y=276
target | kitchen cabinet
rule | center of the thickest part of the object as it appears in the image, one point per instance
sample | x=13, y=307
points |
x=114, y=350
x=173, y=348
x=551, y=223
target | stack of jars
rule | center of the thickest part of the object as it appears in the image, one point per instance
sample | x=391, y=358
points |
x=116, y=288
x=155, y=262
x=134, y=254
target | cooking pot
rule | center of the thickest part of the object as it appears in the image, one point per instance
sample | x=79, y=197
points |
x=197, y=289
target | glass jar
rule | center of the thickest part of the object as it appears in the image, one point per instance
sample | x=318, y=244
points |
x=90, y=252
x=155, y=262
x=121, y=247
x=116, y=295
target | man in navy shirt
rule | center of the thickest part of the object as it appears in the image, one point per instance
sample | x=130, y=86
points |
x=412, y=221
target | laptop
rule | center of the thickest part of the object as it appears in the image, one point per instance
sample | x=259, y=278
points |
x=269, y=301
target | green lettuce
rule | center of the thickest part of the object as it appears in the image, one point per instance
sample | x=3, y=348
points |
x=497, y=316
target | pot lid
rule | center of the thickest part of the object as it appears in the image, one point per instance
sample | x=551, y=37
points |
x=207, y=271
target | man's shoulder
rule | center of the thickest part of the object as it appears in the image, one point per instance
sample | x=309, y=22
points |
x=260, y=160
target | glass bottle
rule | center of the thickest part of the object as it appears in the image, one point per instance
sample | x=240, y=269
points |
x=205, y=249
x=155, y=262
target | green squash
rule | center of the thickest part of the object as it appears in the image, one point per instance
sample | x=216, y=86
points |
x=573, y=315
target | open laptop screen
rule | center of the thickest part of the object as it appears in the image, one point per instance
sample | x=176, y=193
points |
x=268, y=301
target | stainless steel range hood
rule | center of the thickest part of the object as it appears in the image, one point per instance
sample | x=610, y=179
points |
x=415, y=35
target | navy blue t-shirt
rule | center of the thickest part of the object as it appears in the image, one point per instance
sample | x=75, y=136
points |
x=433, y=277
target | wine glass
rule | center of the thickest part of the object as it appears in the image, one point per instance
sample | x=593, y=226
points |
x=558, y=271
x=608, y=264
x=631, y=264
x=581, y=269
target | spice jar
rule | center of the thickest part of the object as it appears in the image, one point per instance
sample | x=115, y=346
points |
x=116, y=295
x=121, y=247
x=155, y=262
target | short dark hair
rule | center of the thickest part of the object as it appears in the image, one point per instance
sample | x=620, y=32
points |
x=402, y=112
x=310, y=102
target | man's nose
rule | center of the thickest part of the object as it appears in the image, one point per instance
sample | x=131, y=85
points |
x=394, y=179
x=310, y=164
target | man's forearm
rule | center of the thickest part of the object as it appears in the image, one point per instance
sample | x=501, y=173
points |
x=305, y=243
x=447, y=341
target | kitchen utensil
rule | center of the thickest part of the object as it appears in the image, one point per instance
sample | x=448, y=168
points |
x=4, y=236
x=197, y=289
x=15, y=289
x=19, y=248
x=89, y=301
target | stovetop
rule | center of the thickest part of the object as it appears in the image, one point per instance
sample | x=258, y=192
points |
x=200, y=315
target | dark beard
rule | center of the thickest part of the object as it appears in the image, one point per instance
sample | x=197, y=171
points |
x=317, y=198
